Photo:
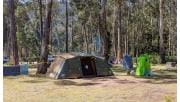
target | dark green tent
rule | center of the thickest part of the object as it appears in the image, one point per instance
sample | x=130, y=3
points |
x=76, y=66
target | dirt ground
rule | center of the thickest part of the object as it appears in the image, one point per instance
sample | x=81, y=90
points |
x=119, y=88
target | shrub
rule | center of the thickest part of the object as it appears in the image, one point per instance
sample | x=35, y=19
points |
x=154, y=58
x=171, y=58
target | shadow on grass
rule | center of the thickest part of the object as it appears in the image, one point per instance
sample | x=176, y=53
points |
x=34, y=78
x=158, y=77
x=166, y=71
x=11, y=77
x=163, y=81
x=34, y=81
x=125, y=81
x=118, y=69
x=162, y=77
x=37, y=75
x=29, y=75
x=100, y=78
x=91, y=83
x=73, y=83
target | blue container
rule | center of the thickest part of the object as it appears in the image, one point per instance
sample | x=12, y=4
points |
x=24, y=69
x=11, y=70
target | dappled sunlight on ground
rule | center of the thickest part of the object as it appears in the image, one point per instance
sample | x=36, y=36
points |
x=118, y=88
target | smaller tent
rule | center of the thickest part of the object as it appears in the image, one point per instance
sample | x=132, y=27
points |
x=69, y=65
x=143, y=66
x=127, y=62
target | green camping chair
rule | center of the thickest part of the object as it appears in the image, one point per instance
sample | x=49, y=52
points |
x=143, y=66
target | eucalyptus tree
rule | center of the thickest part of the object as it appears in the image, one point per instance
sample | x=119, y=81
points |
x=42, y=68
x=67, y=20
x=105, y=34
x=162, y=48
x=14, y=58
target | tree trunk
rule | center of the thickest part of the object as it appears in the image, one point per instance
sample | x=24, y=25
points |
x=117, y=32
x=86, y=39
x=82, y=37
x=134, y=48
x=8, y=49
x=42, y=68
x=114, y=33
x=118, y=46
x=67, y=50
x=103, y=30
x=41, y=19
x=14, y=59
x=72, y=35
x=162, y=50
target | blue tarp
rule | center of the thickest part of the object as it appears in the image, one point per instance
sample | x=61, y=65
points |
x=11, y=70
x=127, y=62
x=15, y=70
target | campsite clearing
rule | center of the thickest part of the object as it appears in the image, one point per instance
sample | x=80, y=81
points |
x=118, y=88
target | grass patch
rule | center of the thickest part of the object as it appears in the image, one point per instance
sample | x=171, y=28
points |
x=118, y=88
x=118, y=71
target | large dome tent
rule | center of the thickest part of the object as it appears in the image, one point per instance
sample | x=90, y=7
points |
x=78, y=65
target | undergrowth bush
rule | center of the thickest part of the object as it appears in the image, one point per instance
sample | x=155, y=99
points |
x=154, y=58
x=171, y=58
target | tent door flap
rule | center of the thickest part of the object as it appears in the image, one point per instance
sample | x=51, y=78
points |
x=88, y=66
